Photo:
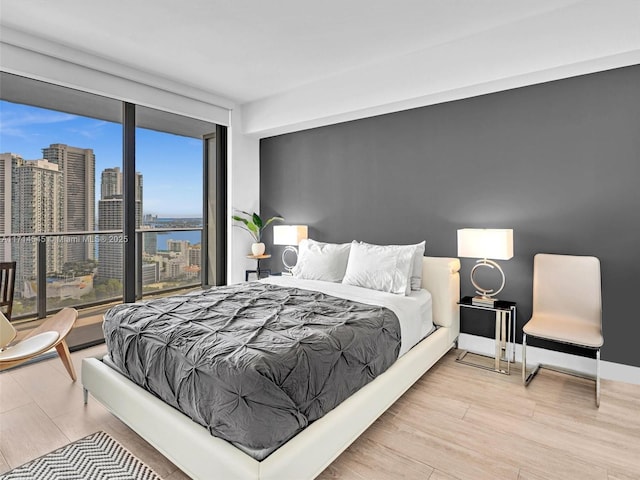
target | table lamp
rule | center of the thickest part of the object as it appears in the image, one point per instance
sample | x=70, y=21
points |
x=289, y=235
x=485, y=244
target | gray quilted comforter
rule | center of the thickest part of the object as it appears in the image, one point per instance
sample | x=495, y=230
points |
x=254, y=363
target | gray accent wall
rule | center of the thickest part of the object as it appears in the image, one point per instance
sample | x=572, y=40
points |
x=558, y=162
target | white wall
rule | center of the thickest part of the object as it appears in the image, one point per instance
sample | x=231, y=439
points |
x=34, y=58
x=543, y=48
x=243, y=194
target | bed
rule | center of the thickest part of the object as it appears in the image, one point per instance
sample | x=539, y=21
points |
x=191, y=447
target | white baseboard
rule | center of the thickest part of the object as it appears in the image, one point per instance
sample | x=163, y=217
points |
x=608, y=370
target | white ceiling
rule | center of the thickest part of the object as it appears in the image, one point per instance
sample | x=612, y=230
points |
x=250, y=51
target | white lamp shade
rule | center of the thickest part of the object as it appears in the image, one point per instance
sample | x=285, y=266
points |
x=496, y=244
x=289, y=234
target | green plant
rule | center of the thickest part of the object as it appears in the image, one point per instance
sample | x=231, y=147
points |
x=252, y=223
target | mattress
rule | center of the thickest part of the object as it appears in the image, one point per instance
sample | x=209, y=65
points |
x=255, y=363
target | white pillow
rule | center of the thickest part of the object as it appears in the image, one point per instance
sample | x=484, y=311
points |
x=321, y=261
x=415, y=278
x=415, y=275
x=380, y=267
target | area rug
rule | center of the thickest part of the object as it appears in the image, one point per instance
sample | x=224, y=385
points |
x=95, y=457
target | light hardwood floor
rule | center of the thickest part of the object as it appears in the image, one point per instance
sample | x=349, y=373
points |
x=457, y=422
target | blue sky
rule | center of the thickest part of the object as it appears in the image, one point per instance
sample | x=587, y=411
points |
x=171, y=165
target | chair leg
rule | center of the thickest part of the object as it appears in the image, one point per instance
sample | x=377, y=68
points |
x=526, y=379
x=65, y=356
x=598, y=378
x=524, y=358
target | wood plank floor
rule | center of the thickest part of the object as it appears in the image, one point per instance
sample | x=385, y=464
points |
x=457, y=422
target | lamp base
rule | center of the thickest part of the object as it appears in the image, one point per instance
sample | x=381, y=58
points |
x=482, y=301
x=486, y=296
x=288, y=251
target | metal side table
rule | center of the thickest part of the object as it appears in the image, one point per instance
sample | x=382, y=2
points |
x=505, y=339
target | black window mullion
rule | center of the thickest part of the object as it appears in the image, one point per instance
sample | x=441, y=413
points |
x=129, y=201
x=214, y=228
x=221, y=205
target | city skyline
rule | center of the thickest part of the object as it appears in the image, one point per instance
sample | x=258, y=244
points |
x=169, y=191
x=55, y=194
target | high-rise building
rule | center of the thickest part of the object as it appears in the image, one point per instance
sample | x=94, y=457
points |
x=8, y=163
x=110, y=246
x=111, y=182
x=150, y=273
x=150, y=219
x=110, y=217
x=180, y=246
x=37, y=205
x=78, y=167
x=195, y=255
x=149, y=239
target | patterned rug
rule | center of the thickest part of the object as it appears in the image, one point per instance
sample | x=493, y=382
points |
x=96, y=457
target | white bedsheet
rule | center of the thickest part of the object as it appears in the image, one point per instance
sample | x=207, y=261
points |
x=413, y=311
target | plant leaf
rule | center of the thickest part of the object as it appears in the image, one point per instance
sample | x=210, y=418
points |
x=257, y=220
x=274, y=219
x=252, y=227
x=240, y=219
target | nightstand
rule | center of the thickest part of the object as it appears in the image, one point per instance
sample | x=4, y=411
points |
x=505, y=338
x=260, y=272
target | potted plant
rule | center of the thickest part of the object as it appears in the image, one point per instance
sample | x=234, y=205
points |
x=252, y=223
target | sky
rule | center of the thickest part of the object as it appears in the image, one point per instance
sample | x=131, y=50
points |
x=171, y=165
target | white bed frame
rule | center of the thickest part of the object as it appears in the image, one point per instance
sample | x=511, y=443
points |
x=202, y=456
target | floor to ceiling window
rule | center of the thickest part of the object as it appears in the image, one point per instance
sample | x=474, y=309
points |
x=63, y=202
x=54, y=142
x=169, y=167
